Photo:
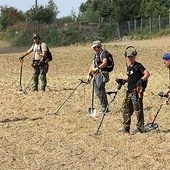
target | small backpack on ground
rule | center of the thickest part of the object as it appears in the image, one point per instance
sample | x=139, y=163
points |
x=110, y=61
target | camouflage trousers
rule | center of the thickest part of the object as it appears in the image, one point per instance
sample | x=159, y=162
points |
x=129, y=107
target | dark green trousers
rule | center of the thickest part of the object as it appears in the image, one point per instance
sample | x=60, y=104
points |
x=40, y=72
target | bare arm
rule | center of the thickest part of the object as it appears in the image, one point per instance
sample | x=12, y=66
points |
x=146, y=75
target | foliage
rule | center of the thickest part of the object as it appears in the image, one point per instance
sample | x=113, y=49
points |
x=10, y=16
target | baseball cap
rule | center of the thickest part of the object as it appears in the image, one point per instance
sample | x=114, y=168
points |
x=130, y=53
x=96, y=43
x=166, y=57
x=34, y=35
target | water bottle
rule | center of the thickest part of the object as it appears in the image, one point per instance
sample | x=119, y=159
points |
x=133, y=95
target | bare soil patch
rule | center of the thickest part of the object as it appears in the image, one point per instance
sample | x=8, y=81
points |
x=32, y=139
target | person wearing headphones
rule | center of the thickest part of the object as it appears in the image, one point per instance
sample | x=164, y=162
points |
x=40, y=62
x=166, y=61
x=137, y=77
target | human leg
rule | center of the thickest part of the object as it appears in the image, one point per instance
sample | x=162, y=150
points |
x=100, y=91
x=43, y=78
x=36, y=73
x=127, y=112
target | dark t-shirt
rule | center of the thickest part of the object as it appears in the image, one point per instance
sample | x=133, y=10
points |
x=135, y=73
x=98, y=58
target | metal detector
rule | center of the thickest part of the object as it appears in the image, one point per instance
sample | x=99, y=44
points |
x=151, y=126
x=92, y=110
x=56, y=113
x=20, y=83
x=25, y=90
x=120, y=83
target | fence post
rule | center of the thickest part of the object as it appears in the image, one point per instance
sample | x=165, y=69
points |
x=129, y=26
x=141, y=25
x=159, y=22
x=135, y=24
x=150, y=24
x=118, y=30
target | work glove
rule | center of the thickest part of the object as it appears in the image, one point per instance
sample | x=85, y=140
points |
x=89, y=77
x=21, y=58
x=94, y=70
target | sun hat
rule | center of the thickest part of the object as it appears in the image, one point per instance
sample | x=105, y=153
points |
x=166, y=57
x=96, y=43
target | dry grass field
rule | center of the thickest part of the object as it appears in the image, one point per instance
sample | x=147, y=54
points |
x=31, y=139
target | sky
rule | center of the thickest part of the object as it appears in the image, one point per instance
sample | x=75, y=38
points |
x=64, y=6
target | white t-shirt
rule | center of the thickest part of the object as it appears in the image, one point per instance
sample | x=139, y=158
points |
x=38, y=50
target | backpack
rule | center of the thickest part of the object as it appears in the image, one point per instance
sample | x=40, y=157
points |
x=110, y=61
x=49, y=54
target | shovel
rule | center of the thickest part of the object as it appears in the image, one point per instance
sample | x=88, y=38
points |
x=92, y=110
x=20, y=84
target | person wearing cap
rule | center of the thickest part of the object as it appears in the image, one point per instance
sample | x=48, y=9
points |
x=166, y=61
x=137, y=77
x=100, y=76
x=40, y=63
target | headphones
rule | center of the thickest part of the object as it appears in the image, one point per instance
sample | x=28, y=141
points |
x=134, y=52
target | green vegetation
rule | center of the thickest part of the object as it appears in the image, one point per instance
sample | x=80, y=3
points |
x=97, y=19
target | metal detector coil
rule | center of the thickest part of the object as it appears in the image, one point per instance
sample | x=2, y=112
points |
x=151, y=126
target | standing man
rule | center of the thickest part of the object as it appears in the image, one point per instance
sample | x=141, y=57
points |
x=166, y=61
x=98, y=71
x=137, y=82
x=40, y=62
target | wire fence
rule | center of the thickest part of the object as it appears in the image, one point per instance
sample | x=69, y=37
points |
x=119, y=30
x=144, y=26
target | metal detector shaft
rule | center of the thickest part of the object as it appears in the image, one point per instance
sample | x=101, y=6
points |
x=167, y=100
x=81, y=81
x=25, y=91
x=104, y=114
x=20, y=80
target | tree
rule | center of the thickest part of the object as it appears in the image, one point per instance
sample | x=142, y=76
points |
x=10, y=16
x=43, y=14
x=152, y=8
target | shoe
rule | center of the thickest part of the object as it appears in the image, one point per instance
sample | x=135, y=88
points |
x=124, y=131
x=136, y=131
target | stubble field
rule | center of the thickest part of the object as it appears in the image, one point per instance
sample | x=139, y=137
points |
x=31, y=139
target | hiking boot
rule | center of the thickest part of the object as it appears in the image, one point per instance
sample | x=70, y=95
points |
x=124, y=131
x=136, y=131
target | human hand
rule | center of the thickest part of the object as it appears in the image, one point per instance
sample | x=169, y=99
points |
x=94, y=70
x=166, y=92
x=21, y=58
x=89, y=77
